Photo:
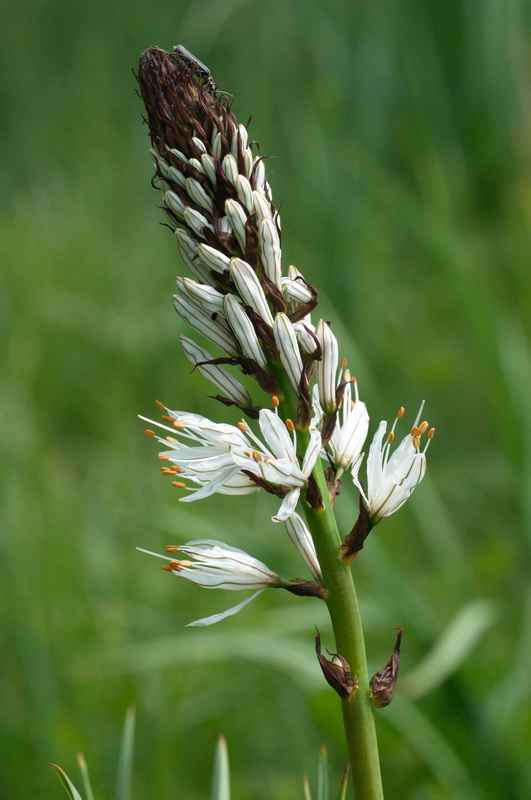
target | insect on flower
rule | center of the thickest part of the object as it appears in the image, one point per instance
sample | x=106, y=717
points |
x=197, y=66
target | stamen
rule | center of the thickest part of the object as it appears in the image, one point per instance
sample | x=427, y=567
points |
x=166, y=418
x=150, y=433
x=431, y=433
x=275, y=401
x=289, y=425
x=179, y=424
x=256, y=456
x=159, y=404
x=243, y=427
x=344, y=365
x=178, y=484
x=164, y=457
x=414, y=431
x=416, y=442
x=400, y=413
x=172, y=439
x=390, y=437
x=167, y=568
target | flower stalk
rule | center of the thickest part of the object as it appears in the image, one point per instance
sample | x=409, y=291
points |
x=258, y=316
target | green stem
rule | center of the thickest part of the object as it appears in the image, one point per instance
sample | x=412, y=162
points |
x=342, y=602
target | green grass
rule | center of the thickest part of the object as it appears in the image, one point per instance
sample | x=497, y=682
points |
x=400, y=134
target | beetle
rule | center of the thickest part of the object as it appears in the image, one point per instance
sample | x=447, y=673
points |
x=198, y=67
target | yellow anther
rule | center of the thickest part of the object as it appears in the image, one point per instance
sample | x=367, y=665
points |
x=243, y=427
x=430, y=433
x=423, y=427
x=390, y=437
x=401, y=411
x=172, y=439
x=256, y=456
x=178, y=424
x=347, y=376
x=416, y=442
x=289, y=425
x=414, y=431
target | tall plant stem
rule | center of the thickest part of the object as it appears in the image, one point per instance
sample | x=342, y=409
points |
x=358, y=712
x=343, y=607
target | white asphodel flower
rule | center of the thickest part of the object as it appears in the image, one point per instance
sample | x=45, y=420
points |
x=301, y=537
x=218, y=566
x=351, y=427
x=392, y=478
x=221, y=457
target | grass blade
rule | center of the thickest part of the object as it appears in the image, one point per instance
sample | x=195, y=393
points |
x=221, y=775
x=71, y=790
x=125, y=764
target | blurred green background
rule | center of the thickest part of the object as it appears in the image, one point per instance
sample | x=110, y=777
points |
x=401, y=140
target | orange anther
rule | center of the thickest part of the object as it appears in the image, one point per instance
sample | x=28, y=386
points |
x=172, y=439
x=167, y=568
x=256, y=456
x=289, y=425
x=416, y=442
x=390, y=437
x=178, y=484
x=275, y=401
x=430, y=433
x=164, y=457
x=171, y=548
x=243, y=427
x=401, y=411
x=160, y=405
x=150, y=433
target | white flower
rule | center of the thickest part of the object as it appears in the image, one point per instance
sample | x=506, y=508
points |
x=218, y=566
x=221, y=457
x=302, y=539
x=392, y=478
x=352, y=426
x=326, y=368
x=350, y=430
x=278, y=464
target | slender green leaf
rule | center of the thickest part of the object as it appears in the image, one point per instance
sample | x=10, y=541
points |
x=221, y=775
x=306, y=787
x=125, y=764
x=85, y=776
x=71, y=790
x=322, y=779
x=344, y=783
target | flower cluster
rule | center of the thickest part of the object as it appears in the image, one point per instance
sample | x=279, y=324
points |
x=258, y=316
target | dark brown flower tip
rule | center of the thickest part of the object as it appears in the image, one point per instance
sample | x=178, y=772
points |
x=384, y=682
x=179, y=105
x=336, y=671
x=355, y=540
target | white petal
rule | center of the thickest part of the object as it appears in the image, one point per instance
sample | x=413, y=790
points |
x=229, y=613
